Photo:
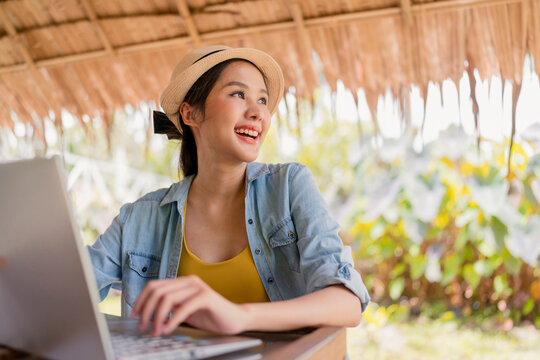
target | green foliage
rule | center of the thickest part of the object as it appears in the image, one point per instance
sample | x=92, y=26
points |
x=445, y=227
x=449, y=229
x=395, y=288
x=437, y=228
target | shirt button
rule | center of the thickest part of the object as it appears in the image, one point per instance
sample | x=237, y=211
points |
x=250, y=221
x=270, y=280
x=257, y=251
x=144, y=269
x=291, y=234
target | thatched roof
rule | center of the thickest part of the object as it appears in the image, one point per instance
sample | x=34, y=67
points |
x=91, y=56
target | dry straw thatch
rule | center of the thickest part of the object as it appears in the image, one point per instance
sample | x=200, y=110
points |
x=93, y=56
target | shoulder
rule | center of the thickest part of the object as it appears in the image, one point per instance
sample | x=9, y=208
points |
x=284, y=181
x=278, y=172
x=154, y=196
x=155, y=199
x=288, y=168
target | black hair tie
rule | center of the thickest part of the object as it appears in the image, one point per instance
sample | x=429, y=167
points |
x=162, y=125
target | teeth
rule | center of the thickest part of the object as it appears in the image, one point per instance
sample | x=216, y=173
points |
x=252, y=133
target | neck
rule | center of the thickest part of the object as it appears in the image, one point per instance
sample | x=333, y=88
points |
x=219, y=182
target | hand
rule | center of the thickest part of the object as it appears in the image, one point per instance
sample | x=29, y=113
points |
x=191, y=301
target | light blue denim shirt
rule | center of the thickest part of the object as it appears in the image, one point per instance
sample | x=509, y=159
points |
x=293, y=238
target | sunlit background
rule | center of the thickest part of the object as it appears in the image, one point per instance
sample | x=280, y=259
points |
x=446, y=238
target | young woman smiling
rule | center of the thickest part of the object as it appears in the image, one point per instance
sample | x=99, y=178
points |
x=236, y=245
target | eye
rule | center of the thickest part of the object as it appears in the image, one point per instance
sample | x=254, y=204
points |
x=239, y=94
x=263, y=101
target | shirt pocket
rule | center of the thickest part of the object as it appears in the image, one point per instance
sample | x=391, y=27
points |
x=283, y=239
x=141, y=268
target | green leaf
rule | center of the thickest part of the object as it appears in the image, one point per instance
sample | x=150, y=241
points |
x=398, y=270
x=511, y=264
x=395, y=288
x=469, y=253
x=451, y=266
x=529, y=194
x=483, y=268
x=461, y=239
x=471, y=276
x=529, y=305
x=414, y=250
x=499, y=231
x=417, y=266
x=433, y=233
x=500, y=285
x=387, y=247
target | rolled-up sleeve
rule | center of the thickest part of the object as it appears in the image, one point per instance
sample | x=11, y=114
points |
x=105, y=255
x=324, y=260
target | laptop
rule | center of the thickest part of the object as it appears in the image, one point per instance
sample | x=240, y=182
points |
x=48, y=293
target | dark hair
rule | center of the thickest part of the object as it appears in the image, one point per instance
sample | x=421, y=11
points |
x=196, y=97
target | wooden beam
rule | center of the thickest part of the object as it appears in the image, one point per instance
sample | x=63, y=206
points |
x=239, y=32
x=183, y=9
x=15, y=36
x=432, y=7
x=61, y=60
x=13, y=68
x=303, y=36
x=101, y=32
x=154, y=45
x=407, y=12
x=450, y=5
x=439, y=6
x=303, y=40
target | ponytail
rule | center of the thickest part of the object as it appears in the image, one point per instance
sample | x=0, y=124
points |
x=188, y=151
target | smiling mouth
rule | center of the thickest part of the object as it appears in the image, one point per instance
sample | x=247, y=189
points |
x=250, y=134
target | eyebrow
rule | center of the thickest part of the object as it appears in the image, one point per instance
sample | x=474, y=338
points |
x=242, y=85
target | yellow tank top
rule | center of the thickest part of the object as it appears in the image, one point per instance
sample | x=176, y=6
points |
x=236, y=279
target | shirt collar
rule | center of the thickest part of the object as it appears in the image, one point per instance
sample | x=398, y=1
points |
x=178, y=191
x=255, y=170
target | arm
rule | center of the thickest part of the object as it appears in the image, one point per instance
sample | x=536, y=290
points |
x=308, y=310
x=105, y=255
x=324, y=260
x=192, y=301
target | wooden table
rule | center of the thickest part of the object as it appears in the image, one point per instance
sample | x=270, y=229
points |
x=327, y=343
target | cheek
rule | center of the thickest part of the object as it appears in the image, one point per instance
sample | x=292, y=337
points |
x=267, y=120
x=222, y=106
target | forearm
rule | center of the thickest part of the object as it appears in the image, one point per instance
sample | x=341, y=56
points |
x=334, y=305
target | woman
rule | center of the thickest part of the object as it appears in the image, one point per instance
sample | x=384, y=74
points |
x=236, y=245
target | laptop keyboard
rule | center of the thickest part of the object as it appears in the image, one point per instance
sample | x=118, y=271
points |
x=128, y=346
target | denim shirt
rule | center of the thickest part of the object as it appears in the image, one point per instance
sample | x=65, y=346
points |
x=292, y=237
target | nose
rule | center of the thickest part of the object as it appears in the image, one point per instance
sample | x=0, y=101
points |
x=253, y=111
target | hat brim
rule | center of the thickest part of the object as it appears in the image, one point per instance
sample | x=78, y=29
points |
x=173, y=96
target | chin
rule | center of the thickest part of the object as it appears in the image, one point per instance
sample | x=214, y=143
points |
x=248, y=159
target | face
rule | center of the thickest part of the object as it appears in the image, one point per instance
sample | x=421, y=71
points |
x=236, y=115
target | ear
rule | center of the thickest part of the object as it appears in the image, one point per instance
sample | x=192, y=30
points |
x=188, y=114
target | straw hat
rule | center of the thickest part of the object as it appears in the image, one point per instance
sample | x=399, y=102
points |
x=196, y=62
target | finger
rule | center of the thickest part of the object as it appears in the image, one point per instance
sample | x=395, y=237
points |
x=167, y=303
x=141, y=299
x=147, y=291
x=190, y=306
x=152, y=299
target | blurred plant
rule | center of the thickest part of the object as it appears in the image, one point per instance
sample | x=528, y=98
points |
x=445, y=225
